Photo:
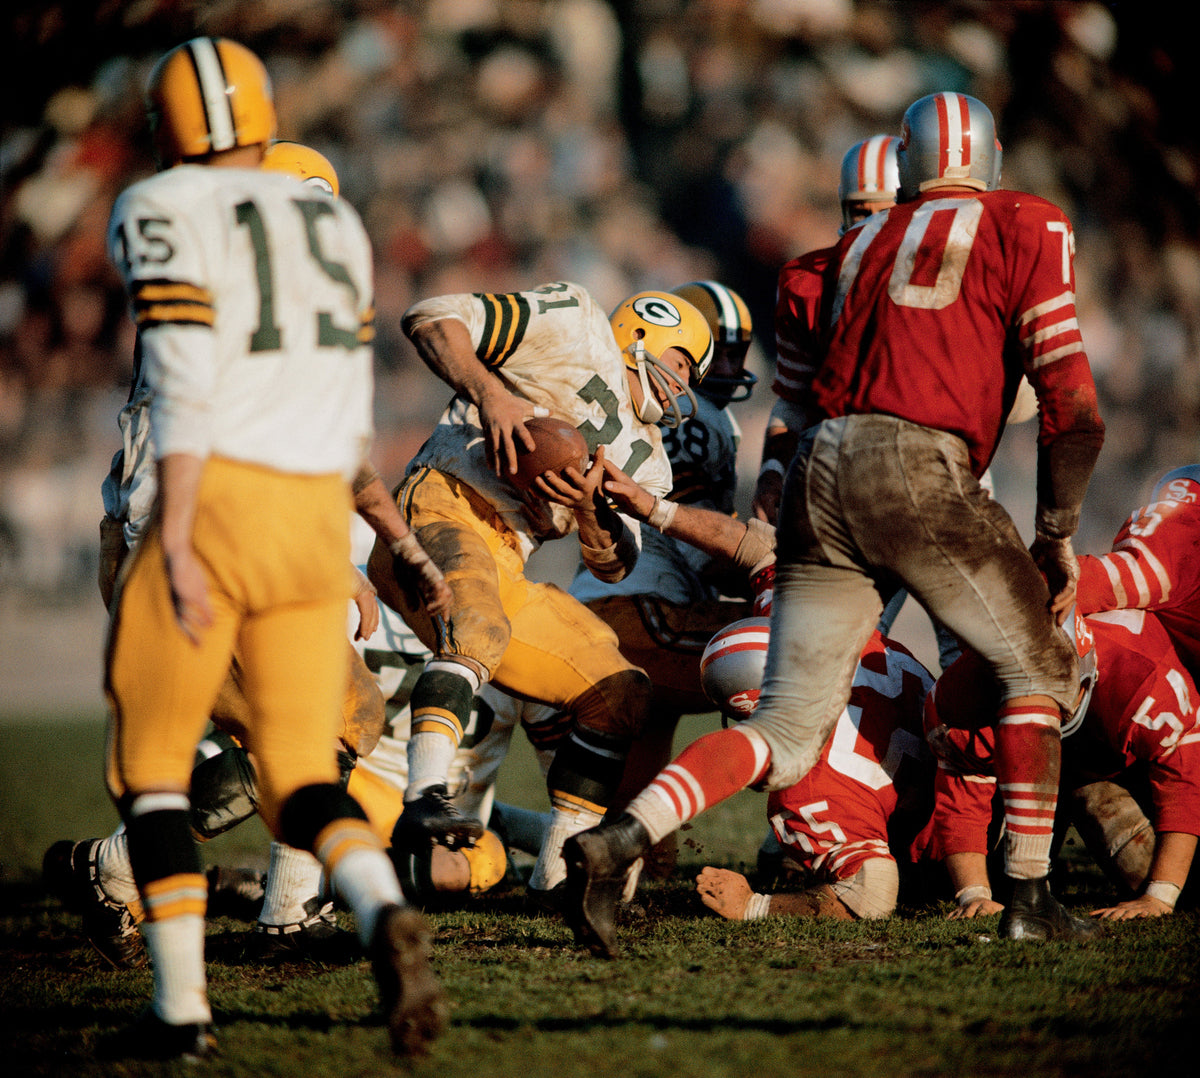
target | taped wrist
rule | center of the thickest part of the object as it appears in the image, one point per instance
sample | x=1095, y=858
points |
x=613, y=562
x=1055, y=523
x=408, y=550
x=757, y=908
x=1165, y=891
x=663, y=513
x=757, y=548
x=976, y=893
x=772, y=467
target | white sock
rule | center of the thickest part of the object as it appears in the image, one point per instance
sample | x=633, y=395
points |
x=116, y=874
x=430, y=755
x=176, y=948
x=365, y=880
x=293, y=878
x=550, y=869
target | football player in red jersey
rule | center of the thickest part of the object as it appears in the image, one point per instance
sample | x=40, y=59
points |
x=933, y=313
x=1141, y=717
x=848, y=824
x=869, y=180
x=1154, y=564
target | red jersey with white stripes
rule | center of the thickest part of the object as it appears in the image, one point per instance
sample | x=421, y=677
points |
x=1154, y=565
x=797, y=308
x=936, y=307
x=873, y=776
x=1143, y=710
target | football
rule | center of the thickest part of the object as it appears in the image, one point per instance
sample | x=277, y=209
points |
x=558, y=445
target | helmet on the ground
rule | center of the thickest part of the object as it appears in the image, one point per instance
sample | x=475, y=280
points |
x=208, y=95
x=732, y=328
x=1178, y=485
x=869, y=174
x=732, y=665
x=303, y=161
x=947, y=139
x=645, y=325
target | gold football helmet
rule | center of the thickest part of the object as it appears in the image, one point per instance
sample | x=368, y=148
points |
x=732, y=329
x=207, y=95
x=310, y=165
x=645, y=326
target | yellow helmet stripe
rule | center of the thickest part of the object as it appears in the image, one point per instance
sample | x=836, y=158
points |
x=214, y=96
x=729, y=315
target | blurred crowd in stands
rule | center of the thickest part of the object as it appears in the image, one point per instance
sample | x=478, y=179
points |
x=496, y=144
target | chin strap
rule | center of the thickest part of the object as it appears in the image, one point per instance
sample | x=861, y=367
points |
x=651, y=410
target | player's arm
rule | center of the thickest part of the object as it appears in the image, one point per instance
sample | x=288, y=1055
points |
x=178, y=486
x=972, y=889
x=748, y=545
x=607, y=543
x=411, y=565
x=1070, y=430
x=445, y=347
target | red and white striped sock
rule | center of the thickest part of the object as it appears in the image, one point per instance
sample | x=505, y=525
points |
x=706, y=772
x=1028, y=759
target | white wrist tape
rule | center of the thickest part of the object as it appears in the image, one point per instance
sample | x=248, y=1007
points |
x=776, y=467
x=662, y=514
x=757, y=907
x=409, y=549
x=977, y=893
x=1164, y=891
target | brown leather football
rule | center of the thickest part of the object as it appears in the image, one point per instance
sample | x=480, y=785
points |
x=558, y=445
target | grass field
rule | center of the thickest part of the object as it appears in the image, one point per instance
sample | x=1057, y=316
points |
x=694, y=996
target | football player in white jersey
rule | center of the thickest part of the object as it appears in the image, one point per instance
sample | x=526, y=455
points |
x=666, y=610
x=252, y=297
x=547, y=351
x=93, y=876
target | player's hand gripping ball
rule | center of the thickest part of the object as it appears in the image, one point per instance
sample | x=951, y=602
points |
x=558, y=445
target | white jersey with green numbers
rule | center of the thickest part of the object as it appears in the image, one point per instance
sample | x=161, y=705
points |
x=553, y=346
x=252, y=294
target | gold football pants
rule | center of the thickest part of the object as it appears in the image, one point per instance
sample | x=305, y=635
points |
x=534, y=639
x=274, y=548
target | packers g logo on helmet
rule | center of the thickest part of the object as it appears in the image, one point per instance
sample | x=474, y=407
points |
x=208, y=95
x=645, y=326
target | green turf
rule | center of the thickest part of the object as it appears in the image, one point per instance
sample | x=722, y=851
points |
x=693, y=996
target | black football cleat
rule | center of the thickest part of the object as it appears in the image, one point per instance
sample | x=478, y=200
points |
x=412, y=1001
x=315, y=939
x=1033, y=913
x=434, y=819
x=151, y=1038
x=599, y=862
x=71, y=873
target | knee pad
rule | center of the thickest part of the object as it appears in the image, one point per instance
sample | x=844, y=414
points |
x=311, y=809
x=1115, y=830
x=224, y=792
x=872, y=891
x=616, y=706
x=587, y=768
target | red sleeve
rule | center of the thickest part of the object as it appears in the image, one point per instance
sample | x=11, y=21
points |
x=962, y=812
x=797, y=305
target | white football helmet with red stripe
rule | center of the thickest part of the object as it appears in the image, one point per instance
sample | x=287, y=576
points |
x=731, y=668
x=869, y=175
x=947, y=139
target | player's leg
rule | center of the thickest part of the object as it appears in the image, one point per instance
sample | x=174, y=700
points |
x=160, y=711
x=460, y=534
x=565, y=657
x=960, y=555
x=294, y=660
